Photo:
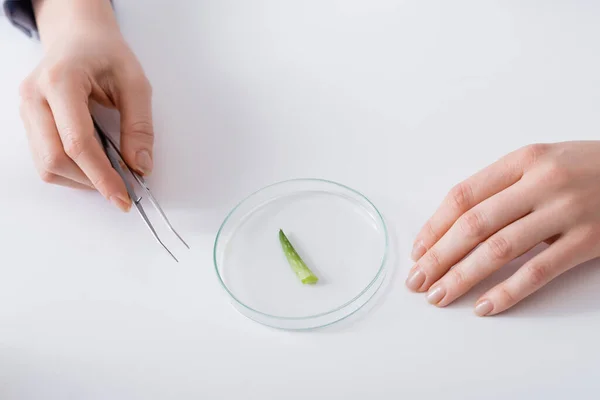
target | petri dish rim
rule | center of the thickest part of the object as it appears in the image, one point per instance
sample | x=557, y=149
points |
x=380, y=270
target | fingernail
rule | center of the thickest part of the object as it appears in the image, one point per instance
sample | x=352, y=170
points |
x=483, y=308
x=418, y=250
x=144, y=161
x=436, y=294
x=415, y=280
x=122, y=204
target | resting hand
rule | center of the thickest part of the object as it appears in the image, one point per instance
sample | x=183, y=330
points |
x=541, y=193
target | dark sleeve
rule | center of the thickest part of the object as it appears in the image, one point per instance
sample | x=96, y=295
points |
x=20, y=14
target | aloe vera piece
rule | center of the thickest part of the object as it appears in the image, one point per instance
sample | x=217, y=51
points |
x=303, y=273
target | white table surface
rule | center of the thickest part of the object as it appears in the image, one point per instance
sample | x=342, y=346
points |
x=398, y=99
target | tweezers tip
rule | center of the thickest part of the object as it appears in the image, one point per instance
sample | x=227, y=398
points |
x=174, y=258
x=183, y=241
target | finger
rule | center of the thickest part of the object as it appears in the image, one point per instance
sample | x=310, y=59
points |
x=46, y=147
x=68, y=103
x=567, y=252
x=62, y=181
x=472, y=228
x=484, y=184
x=497, y=251
x=137, y=132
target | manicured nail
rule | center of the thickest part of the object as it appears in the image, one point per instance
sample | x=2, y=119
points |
x=418, y=250
x=144, y=162
x=121, y=203
x=415, y=280
x=483, y=308
x=436, y=294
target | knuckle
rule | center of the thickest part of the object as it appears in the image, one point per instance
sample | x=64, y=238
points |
x=52, y=76
x=460, y=197
x=100, y=183
x=537, y=274
x=506, y=297
x=570, y=205
x=533, y=152
x=27, y=89
x=430, y=231
x=499, y=248
x=472, y=224
x=457, y=277
x=555, y=173
x=432, y=259
x=570, y=201
x=74, y=145
x=141, y=127
x=47, y=176
x=52, y=162
x=140, y=83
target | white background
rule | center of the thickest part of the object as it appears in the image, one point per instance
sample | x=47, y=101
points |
x=398, y=99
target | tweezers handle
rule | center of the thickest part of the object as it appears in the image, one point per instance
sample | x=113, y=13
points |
x=115, y=160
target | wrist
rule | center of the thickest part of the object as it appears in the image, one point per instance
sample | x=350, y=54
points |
x=57, y=18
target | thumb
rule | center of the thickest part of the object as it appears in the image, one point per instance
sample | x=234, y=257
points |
x=137, y=131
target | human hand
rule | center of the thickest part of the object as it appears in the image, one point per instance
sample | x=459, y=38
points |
x=540, y=193
x=86, y=58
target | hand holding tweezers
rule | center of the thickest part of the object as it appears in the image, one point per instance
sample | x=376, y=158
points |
x=119, y=164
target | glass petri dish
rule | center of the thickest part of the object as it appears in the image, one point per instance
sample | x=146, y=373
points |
x=337, y=231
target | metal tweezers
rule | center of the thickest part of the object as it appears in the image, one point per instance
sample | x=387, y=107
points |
x=118, y=162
